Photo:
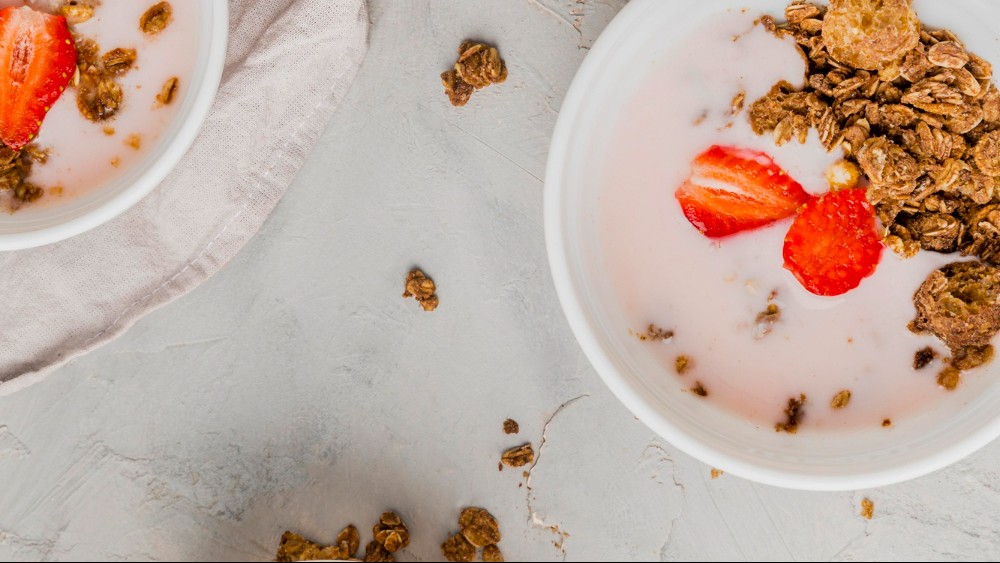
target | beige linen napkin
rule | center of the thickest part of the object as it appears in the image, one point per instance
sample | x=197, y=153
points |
x=289, y=64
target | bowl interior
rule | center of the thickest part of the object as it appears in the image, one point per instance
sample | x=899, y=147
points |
x=45, y=224
x=619, y=62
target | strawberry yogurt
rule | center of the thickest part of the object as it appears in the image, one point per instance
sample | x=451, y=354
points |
x=710, y=292
x=84, y=155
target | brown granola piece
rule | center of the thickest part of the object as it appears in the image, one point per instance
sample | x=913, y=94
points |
x=960, y=304
x=886, y=423
x=480, y=65
x=168, y=91
x=133, y=141
x=77, y=11
x=841, y=400
x=656, y=334
x=119, y=61
x=716, y=473
x=699, y=390
x=869, y=34
x=492, y=554
x=377, y=553
x=923, y=357
x=972, y=357
x=458, y=90
x=948, y=54
x=793, y=413
x=949, y=378
x=479, y=527
x=519, y=456
x=349, y=540
x=294, y=547
x=682, y=364
x=867, y=509
x=457, y=548
x=510, y=426
x=737, y=104
x=767, y=318
x=391, y=532
x=98, y=97
x=156, y=18
x=421, y=288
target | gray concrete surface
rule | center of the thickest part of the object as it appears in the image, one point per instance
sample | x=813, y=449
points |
x=297, y=390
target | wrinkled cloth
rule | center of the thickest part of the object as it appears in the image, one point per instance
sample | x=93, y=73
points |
x=289, y=64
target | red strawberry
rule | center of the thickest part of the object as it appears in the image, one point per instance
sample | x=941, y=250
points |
x=752, y=191
x=37, y=61
x=834, y=244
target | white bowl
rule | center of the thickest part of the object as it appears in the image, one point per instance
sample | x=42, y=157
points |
x=58, y=222
x=810, y=460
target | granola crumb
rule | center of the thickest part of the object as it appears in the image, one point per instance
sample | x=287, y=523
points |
x=716, y=473
x=492, y=554
x=949, y=378
x=654, y=334
x=519, y=456
x=510, y=426
x=457, y=548
x=116, y=161
x=133, y=141
x=867, y=509
x=421, y=288
x=109, y=131
x=794, y=414
x=700, y=119
x=840, y=400
x=886, y=423
x=479, y=65
x=699, y=390
x=156, y=18
x=767, y=318
x=682, y=364
x=167, y=92
x=923, y=357
x=391, y=533
x=736, y=106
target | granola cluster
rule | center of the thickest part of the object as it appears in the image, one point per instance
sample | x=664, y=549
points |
x=421, y=288
x=479, y=65
x=99, y=95
x=15, y=167
x=478, y=530
x=390, y=534
x=913, y=109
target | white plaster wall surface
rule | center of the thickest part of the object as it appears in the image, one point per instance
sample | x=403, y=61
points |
x=297, y=390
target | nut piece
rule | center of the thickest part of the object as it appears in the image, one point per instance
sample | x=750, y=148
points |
x=421, y=288
x=843, y=175
x=168, y=91
x=510, y=426
x=457, y=548
x=868, y=34
x=294, y=547
x=519, y=456
x=840, y=400
x=492, y=554
x=479, y=527
x=391, y=532
x=119, y=61
x=77, y=12
x=156, y=18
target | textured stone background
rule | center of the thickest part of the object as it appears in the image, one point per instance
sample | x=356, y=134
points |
x=297, y=390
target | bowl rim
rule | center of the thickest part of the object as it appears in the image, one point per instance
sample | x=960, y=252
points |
x=173, y=151
x=572, y=301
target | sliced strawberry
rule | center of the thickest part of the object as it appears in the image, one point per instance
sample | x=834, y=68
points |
x=834, y=244
x=733, y=190
x=37, y=61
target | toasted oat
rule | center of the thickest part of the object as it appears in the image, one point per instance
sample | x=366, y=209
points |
x=794, y=414
x=699, y=390
x=168, y=91
x=867, y=509
x=843, y=175
x=716, y=473
x=78, y=11
x=294, y=547
x=156, y=18
x=519, y=456
x=349, y=540
x=682, y=364
x=841, y=399
x=377, y=553
x=458, y=90
x=510, y=426
x=119, y=61
x=421, y=288
x=457, y=548
x=655, y=334
x=949, y=378
x=479, y=527
x=492, y=554
x=923, y=357
x=99, y=97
